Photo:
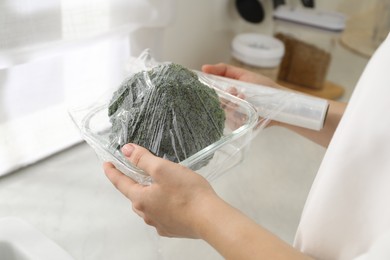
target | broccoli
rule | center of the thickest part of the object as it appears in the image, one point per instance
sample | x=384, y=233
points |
x=168, y=111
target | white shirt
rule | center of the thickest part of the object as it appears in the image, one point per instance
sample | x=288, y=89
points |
x=347, y=213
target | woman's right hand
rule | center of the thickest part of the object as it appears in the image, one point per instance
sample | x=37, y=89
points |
x=335, y=111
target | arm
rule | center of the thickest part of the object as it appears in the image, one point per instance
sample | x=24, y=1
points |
x=235, y=236
x=335, y=112
x=322, y=137
x=181, y=203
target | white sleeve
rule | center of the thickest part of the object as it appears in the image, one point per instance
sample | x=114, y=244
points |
x=379, y=250
x=347, y=212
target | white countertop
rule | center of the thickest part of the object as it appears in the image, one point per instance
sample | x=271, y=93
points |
x=68, y=198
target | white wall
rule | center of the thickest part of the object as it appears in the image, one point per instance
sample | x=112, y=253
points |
x=202, y=30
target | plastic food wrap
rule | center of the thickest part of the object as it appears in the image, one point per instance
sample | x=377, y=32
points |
x=184, y=116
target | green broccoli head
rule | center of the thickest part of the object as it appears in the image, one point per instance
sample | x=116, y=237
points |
x=168, y=111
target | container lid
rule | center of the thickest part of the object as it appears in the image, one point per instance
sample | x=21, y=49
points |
x=257, y=49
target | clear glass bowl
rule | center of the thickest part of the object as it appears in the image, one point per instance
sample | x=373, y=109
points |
x=240, y=125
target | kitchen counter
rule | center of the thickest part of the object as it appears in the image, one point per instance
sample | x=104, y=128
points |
x=68, y=198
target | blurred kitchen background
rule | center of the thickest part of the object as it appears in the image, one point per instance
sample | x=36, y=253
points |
x=56, y=54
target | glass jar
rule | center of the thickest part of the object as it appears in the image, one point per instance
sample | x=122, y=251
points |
x=258, y=53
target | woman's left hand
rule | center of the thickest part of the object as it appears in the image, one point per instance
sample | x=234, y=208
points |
x=173, y=202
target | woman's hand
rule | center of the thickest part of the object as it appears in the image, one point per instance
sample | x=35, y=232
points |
x=229, y=71
x=322, y=137
x=173, y=202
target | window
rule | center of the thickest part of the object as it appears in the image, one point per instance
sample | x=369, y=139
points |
x=53, y=52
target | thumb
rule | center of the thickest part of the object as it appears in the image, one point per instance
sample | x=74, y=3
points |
x=143, y=159
x=217, y=69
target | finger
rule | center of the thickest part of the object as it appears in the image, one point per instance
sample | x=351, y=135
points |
x=218, y=69
x=144, y=160
x=241, y=96
x=138, y=212
x=222, y=69
x=122, y=182
x=232, y=91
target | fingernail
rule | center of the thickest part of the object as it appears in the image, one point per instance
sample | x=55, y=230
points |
x=127, y=150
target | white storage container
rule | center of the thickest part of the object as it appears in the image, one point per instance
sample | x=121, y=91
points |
x=257, y=52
